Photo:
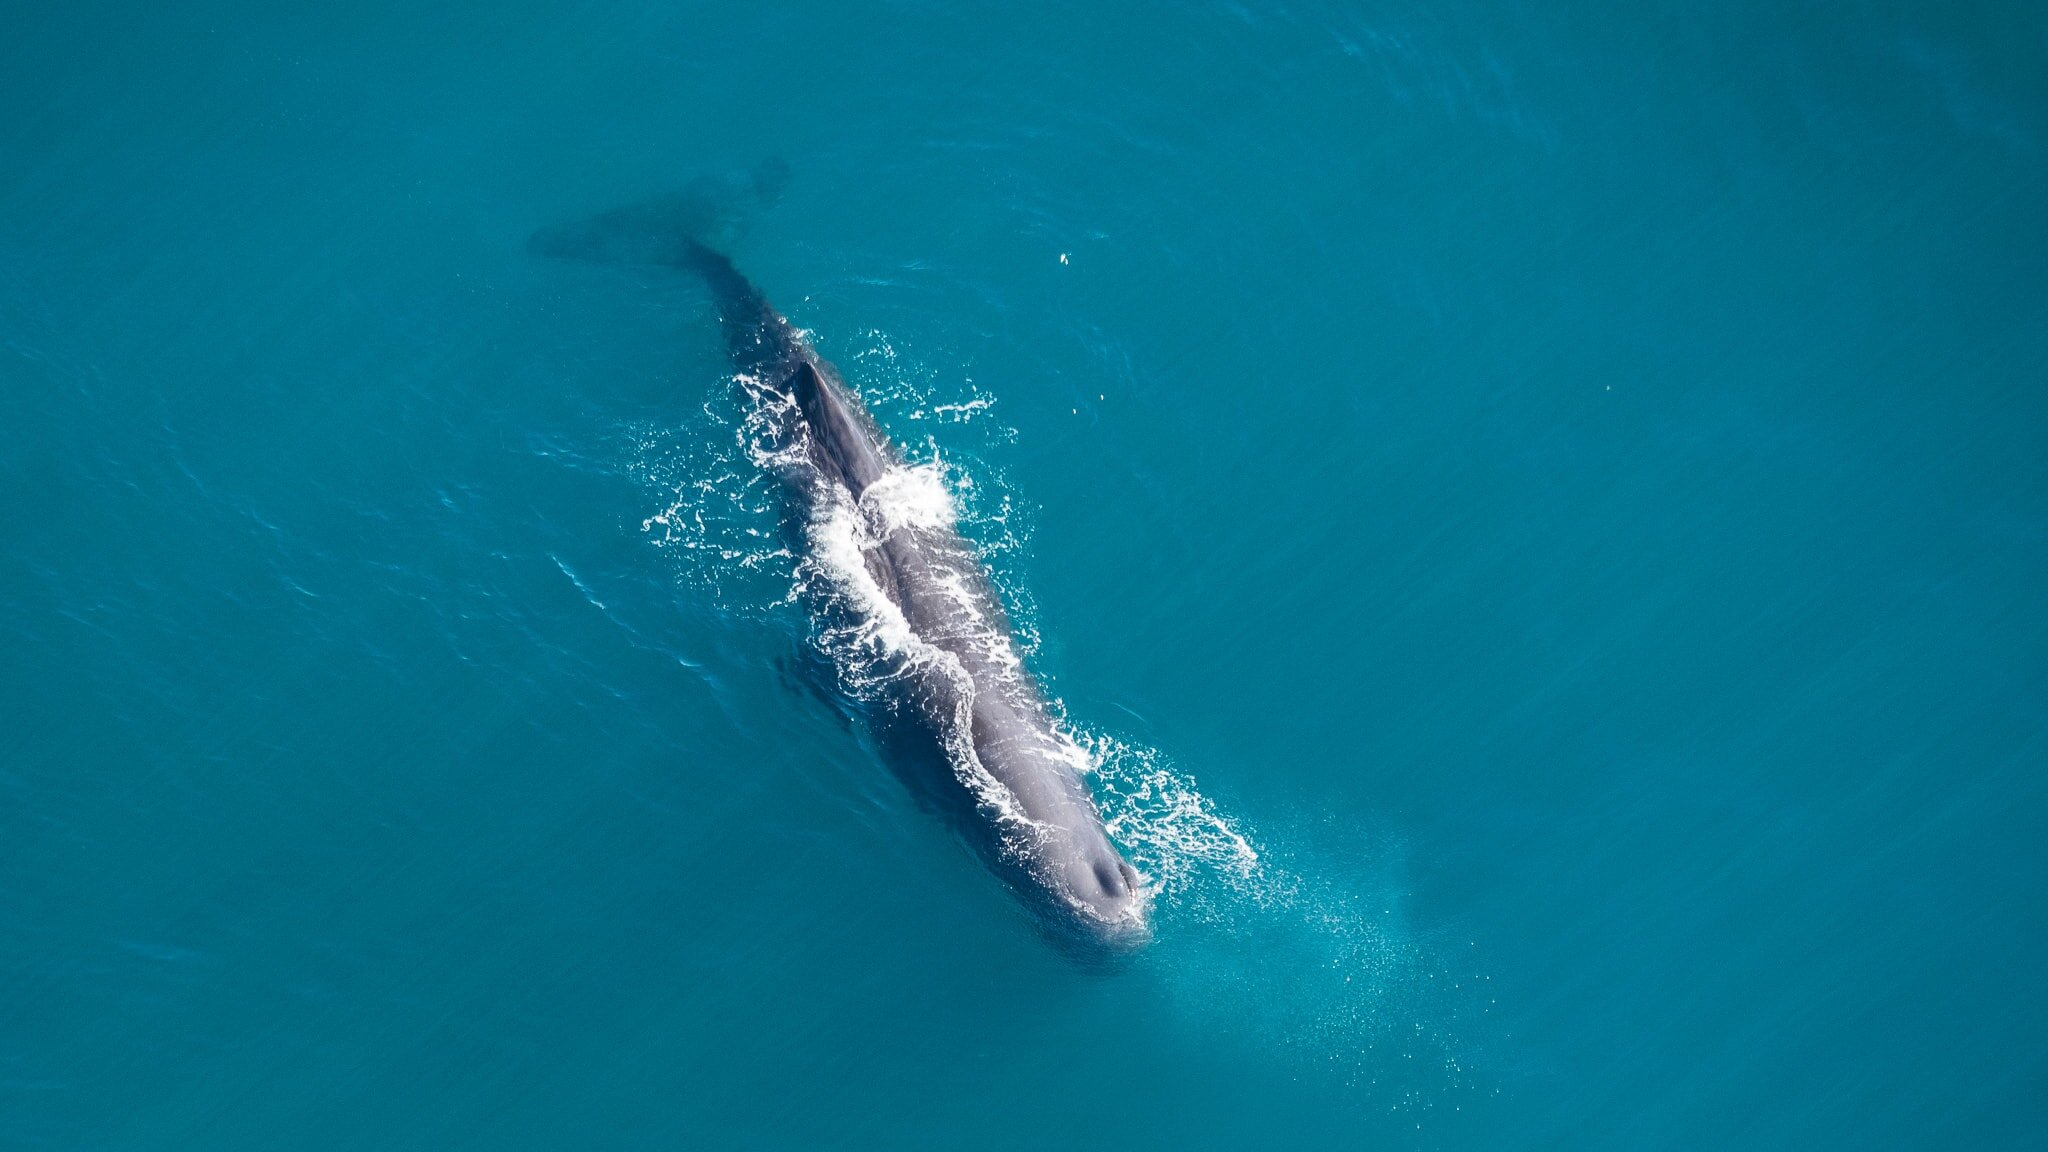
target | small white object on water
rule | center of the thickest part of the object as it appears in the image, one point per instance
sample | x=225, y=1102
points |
x=1063, y=257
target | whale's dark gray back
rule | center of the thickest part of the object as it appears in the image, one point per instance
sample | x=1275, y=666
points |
x=843, y=437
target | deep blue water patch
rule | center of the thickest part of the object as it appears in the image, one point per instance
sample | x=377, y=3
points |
x=1540, y=512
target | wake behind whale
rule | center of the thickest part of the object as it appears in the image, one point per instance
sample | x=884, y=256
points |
x=908, y=610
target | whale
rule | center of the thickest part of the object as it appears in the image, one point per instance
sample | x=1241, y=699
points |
x=933, y=637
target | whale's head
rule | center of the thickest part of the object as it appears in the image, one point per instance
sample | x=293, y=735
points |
x=1107, y=897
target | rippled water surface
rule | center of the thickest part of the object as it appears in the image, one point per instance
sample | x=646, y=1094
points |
x=1536, y=516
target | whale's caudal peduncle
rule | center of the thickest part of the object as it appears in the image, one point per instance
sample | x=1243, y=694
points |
x=953, y=673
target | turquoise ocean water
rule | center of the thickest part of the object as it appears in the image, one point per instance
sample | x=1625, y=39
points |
x=1540, y=512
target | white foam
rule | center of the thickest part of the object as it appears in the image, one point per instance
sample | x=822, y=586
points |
x=870, y=643
x=913, y=496
x=1227, y=906
x=718, y=481
x=839, y=544
x=1173, y=833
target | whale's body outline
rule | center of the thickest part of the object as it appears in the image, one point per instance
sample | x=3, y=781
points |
x=963, y=691
x=982, y=708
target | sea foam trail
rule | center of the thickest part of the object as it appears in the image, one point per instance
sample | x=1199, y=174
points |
x=1251, y=940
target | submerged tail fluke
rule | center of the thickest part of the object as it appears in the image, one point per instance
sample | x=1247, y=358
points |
x=684, y=230
x=711, y=209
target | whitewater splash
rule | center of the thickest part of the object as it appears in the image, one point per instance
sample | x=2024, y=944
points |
x=725, y=519
x=722, y=513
